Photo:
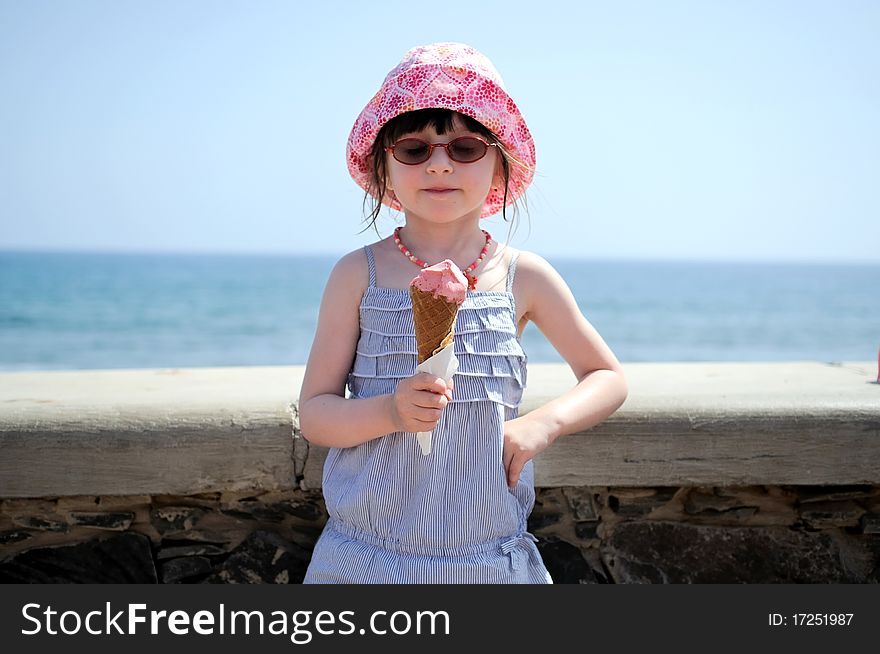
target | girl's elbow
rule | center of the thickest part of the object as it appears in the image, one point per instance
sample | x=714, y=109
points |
x=305, y=433
x=311, y=436
x=305, y=424
x=623, y=388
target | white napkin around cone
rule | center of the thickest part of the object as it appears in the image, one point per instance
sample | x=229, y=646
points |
x=442, y=364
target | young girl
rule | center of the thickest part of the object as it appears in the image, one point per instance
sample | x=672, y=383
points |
x=444, y=143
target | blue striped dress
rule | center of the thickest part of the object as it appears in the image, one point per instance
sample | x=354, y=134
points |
x=398, y=516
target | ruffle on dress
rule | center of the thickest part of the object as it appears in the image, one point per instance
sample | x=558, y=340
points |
x=492, y=363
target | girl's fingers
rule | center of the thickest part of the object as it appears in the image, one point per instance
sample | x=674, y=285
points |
x=425, y=414
x=425, y=382
x=430, y=414
x=429, y=400
x=514, y=468
x=423, y=422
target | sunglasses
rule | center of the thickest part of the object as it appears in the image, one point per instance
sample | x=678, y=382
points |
x=465, y=149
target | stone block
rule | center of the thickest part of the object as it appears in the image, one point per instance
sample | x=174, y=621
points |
x=171, y=521
x=580, y=500
x=708, y=499
x=305, y=510
x=100, y=503
x=14, y=536
x=99, y=520
x=565, y=563
x=194, y=549
x=824, y=493
x=542, y=519
x=737, y=506
x=275, y=506
x=122, y=559
x=870, y=523
x=256, y=511
x=637, y=502
x=587, y=530
x=209, y=501
x=665, y=552
x=831, y=514
x=263, y=558
x=550, y=504
x=593, y=557
x=27, y=506
x=42, y=523
x=176, y=570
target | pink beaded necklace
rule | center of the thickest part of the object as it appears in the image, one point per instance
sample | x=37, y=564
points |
x=468, y=272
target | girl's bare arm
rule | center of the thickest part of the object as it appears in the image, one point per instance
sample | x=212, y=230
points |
x=325, y=416
x=601, y=387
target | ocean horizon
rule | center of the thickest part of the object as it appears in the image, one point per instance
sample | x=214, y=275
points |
x=110, y=310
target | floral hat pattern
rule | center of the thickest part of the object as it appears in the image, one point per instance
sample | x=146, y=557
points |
x=446, y=76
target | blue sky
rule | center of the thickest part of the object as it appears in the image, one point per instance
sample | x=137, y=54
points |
x=665, y=130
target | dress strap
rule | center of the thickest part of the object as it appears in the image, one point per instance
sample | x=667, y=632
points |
x=371, y=265
x=511, y=271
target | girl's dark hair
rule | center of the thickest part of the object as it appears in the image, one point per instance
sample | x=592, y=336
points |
x=442, y=120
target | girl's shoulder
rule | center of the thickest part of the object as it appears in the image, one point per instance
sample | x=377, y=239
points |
x=537, y=283
x=531, y=267
x=349, y=277
x=353, y=269
x=529, y=256
x=391, y=270
x=352, y=264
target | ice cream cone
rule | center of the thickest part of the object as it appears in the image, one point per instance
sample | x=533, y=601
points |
x=434, y=319
x=437, y=292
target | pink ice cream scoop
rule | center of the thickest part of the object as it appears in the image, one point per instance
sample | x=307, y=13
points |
x=443, y=279
x=437, y=293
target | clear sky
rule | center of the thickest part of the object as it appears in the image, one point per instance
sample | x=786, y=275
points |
x=686, y=130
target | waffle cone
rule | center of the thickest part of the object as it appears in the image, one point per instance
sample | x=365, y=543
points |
x=434, y=318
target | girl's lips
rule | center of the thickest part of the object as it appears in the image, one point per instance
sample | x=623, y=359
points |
x=440, y=191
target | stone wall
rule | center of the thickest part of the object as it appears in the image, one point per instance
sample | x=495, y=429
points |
x=699, y=534
x=709, y=473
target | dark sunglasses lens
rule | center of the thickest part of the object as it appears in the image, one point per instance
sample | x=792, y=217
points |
x=411, y=151
x=466, y=149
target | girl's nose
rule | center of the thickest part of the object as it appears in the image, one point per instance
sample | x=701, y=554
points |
x=439, y=161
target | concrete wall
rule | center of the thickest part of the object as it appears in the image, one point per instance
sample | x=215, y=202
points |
x=709, y=472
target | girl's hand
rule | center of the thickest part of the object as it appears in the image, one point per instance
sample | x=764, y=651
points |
x=418, y=402
x=523, y=441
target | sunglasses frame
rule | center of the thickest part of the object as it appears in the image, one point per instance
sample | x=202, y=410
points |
x=431, y=147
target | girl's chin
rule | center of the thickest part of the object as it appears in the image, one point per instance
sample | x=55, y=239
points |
x=443, y=217
x=443, y=211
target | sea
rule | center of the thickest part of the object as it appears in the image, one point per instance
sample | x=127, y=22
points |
x=76, y=310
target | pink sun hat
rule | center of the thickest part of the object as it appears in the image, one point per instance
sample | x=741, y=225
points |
x=446, y=76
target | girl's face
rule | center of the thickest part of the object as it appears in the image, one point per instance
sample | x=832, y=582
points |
x=441, y=189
